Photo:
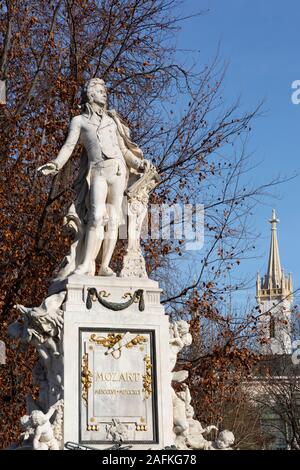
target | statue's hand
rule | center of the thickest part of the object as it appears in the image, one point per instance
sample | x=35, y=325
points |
x=146, y=165
x=48, y=169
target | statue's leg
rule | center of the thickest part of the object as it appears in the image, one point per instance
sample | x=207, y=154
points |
x=53, y=445
x=116, y=188
x=95, y=227
x=40, y=446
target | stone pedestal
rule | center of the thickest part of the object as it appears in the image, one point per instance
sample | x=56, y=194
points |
x=117, y=375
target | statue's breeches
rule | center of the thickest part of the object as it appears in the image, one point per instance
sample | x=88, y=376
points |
x=107, y=186
x=108, y=169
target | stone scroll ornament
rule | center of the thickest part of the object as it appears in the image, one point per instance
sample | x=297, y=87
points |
x=137, y=296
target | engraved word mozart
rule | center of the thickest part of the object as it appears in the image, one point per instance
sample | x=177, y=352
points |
x=118, y=377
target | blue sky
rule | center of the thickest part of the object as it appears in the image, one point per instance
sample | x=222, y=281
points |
x=260, y=41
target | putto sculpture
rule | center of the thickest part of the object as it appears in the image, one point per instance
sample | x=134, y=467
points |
x=39, y=433
x=109, y=161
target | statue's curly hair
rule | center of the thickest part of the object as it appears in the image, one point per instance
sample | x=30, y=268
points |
x=87, y=90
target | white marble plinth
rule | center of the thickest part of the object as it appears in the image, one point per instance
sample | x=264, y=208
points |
x=116, y=365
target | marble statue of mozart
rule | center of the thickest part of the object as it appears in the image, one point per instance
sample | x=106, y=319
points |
x=107, y=160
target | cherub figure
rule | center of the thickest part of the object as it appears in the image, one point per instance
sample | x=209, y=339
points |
x=39, y=328
x=116, y=431
x=38, y=427
x=189, y=432
x=179, y=338
x=225, y=440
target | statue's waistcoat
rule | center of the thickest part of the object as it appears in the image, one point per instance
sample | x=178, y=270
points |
x=102, y=140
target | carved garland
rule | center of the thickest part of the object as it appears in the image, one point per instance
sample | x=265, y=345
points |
x=92, y=294
x=86, y=377
x=112, y=339
x=108, y=342
x=147, y=377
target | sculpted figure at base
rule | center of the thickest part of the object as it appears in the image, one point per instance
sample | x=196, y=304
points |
x=108, y=159
x=180, y=337
x=41, y=327
x=38, y=430
x=188, y=432
x=116, y=431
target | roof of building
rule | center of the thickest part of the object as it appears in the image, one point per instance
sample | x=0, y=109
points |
x=278, y=365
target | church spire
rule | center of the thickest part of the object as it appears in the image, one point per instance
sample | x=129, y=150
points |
x=274, y=273
x=274, y=294
x=274, y=285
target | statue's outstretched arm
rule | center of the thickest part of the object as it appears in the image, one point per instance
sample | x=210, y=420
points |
x=66, y=151
x=50, y=412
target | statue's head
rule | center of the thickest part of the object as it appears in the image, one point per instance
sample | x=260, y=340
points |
x=38, y=418
x=225, y=439
x=25, y=421
x=189, y=409
x=183, y=327
x=94, y=91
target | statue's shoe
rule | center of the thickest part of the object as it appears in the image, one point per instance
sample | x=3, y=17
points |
x=82, y=269
x=106, y=271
